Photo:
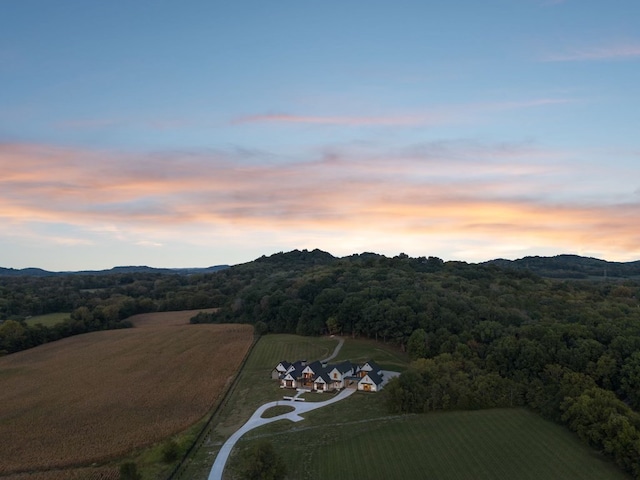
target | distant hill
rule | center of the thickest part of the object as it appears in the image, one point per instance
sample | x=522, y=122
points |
x=560, y=266
x=572, y=266
x=38, y=272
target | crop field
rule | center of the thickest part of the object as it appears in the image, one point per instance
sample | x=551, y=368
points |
x=98, y=396
x=473, y=445
x=165, y=319
x=48, y=320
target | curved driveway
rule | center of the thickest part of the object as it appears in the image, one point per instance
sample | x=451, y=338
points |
x=256, y=421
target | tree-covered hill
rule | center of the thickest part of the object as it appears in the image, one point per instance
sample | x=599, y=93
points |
x=482, y=335
x=573, y=266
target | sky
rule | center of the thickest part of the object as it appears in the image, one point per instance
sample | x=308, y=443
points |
x=197, y=133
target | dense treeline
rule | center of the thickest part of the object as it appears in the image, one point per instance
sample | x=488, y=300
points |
x=481, y=335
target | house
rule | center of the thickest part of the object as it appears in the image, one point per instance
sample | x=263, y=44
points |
x=339, y=373
x=323, y=383
x=370, y=382
x=310, y=372
x=280, y=369
x=328, y=378
x=368, y=367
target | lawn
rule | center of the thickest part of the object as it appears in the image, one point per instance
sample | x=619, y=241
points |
x=254, y=388
x=98, y=396
x=357, y=438
x=361, y=350
x=48, y=320
x=475, y=445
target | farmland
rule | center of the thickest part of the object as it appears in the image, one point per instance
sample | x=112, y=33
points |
x=96, y=397
x=472, y=445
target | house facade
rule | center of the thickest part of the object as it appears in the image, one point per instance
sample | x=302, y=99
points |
x=370, y=382
x=328, y=378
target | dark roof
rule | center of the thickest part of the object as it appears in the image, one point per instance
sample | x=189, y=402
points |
x=342, y=367
x=374, y=366
x=298, y=364
x=324, y=376
x=316, y=367
x=284, y=363
x=296, y=372
x=375, y=378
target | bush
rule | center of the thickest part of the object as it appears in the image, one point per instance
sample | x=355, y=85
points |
x=170, y=451
x=129, y=471
x=262, y=462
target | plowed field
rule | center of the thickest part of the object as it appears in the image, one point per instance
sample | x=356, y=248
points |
x=97, y=396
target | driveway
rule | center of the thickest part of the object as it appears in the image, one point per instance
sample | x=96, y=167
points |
x=256, y=421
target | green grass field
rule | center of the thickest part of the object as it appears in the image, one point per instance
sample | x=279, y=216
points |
x=256, y=387
x=357, y=438
x=48, y=320
x=360, y=350
x=475, y=445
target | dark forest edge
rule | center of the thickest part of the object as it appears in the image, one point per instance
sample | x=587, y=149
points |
x=482, y=335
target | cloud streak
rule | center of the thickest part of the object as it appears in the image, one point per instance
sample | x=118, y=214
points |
x=436, y=115
x=613, y=52
x=457, y=192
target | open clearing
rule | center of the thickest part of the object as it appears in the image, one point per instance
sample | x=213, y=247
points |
x=49, y=319
x=472, y=445
x=358, y=438
x=98, y=396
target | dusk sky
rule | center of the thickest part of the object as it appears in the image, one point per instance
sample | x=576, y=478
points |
x=197, y=133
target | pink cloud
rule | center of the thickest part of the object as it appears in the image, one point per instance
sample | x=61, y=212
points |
x=436, y=115
x=462, y=191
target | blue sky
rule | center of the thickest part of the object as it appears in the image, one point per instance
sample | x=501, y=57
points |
x=198, y=133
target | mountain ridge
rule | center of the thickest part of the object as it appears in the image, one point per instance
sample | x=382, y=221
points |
x=563, y=266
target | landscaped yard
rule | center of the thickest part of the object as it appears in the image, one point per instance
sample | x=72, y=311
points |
x=357, y=438
x=361, y=350
x=487, y=444
x=254, y=388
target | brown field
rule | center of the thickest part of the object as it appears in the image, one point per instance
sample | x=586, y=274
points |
x=89, y=473
x=98, y=396
x=166, y=319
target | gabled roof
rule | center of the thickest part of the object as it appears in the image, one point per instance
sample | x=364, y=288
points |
x=324, y=376
x=298, y=365
x=341, y=367
x=315, y=367
x=372, y=365
x=374, y=377
x=284, y=364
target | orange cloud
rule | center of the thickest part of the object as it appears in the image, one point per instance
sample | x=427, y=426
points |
x=475, y=197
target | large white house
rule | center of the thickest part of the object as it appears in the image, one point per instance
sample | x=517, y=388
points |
x=327, y=378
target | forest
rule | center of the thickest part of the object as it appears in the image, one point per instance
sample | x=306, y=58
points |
x=481, y=335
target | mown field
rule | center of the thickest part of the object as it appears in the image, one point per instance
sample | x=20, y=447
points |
x=256, y=387
x=48, y=320
x=502, y=444
x=358, y=438
x=98, y=396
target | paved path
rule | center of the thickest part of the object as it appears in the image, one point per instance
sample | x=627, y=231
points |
x=256, y=421
x=335, y=352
